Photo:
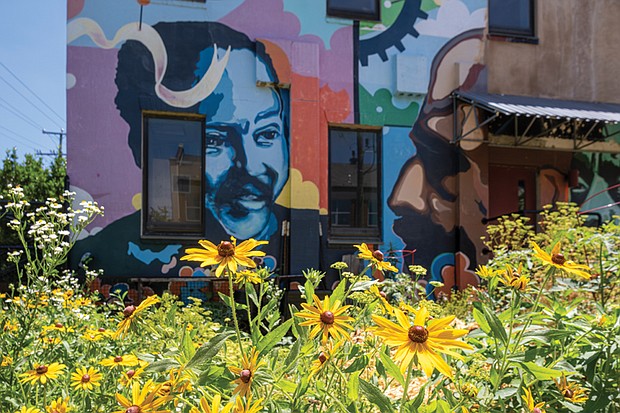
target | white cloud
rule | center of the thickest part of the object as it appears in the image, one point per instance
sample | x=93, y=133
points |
x=453, y=18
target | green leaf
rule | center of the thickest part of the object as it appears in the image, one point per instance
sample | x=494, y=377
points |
x=353, y=386
x=292, y=354
x=274, y=337
x=392, y=369
x=338, y=293
x=208, y=350
x=308, y=291
x=497, y=328
x=540, y=372
x=187, y=345
x=358, y=364
x=161, y=366
x=482, y=322
x=376, y=396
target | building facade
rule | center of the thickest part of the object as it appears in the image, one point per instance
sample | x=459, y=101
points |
x=317, y=125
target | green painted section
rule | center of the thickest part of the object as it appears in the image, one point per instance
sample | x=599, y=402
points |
x=378, y=110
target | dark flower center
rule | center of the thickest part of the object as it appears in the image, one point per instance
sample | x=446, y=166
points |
x=58, y=325
x=418, y=334
x=558, y=258
x=128, y=311
x=327, y=317
x=536, y=410
x=226, y=249
x=42, y=369
x=118, y=359
x=85, y=378
x=383, y=294
x=245, y=375
x=101, y=329
x=568, y=393
x=131, y=373
x=133, y=409
x=378, y=255
x=322, y=358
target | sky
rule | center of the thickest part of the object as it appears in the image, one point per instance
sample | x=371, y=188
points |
x=32, y=75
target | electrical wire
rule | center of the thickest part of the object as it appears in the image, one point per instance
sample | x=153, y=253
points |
x=38, y=144
x=34, y=94
x=19, y=114
x=29, y=101
x=16, y=140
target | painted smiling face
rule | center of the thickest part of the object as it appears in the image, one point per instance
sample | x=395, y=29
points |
x=246, y=148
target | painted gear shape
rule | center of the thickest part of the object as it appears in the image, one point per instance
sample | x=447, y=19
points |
x=392, y=36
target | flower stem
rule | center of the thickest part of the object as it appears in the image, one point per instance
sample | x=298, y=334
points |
x=233, y=306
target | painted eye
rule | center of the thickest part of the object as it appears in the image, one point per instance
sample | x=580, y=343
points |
x=215, y=143
x=265, y=138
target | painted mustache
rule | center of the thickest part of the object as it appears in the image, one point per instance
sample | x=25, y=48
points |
x=240, y=193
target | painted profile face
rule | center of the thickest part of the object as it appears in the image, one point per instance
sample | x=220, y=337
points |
x=246, y=147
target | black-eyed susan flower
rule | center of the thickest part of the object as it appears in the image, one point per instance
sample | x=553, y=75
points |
x=485, y=272
x=43, y=373
x=421, y=342
x=127, y=360
x=131, y=376
x=245, y=374
x=571, y=390
x=6, y=361
x=226, y=255
x=143, y=399
x=131, y=312
x=382, y=297
x=213, y=408
x=529, y=402
x=247, y=276
x=319, y=363
x=557, y=260
x=514, y=278
x=327, y=318
x=25, y=409
x=85, y=378
x=375, y=258
x=59, y=405
x=247, y=406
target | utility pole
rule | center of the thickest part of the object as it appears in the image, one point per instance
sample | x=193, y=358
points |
x=60, y=135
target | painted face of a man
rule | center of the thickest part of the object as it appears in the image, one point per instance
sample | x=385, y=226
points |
x=246, y=149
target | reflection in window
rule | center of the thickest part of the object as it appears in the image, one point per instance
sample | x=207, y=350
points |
x=173, y=180
x=511, y=17
x=354, y=197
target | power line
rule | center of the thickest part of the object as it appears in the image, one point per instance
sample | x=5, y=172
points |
x=38, y=144
x=18, y=113
x=17, y=141
x=29, y=101
x=30, y=90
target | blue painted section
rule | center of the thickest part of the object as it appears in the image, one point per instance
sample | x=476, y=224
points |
x=397, y=149
x=147, y=256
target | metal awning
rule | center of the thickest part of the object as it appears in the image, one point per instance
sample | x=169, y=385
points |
x=525, y=119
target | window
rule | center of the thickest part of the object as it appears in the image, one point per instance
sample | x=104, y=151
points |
x=354, y=9
x=173, y=170
x=511, y=17
x=354, y=185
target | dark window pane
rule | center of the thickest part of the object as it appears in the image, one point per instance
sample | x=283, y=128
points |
x=511, y=16
x=174, y=175
x=354, y=9
x=354, y=196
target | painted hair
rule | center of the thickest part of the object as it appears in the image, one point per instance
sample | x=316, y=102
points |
x=184, y=42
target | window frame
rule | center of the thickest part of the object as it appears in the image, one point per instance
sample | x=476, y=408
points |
x=508, y=32
x=172, y=232
x=333, y=11
x=355, y=234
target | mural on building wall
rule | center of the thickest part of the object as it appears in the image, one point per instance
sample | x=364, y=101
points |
x=598, y=189
x=266, y=146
